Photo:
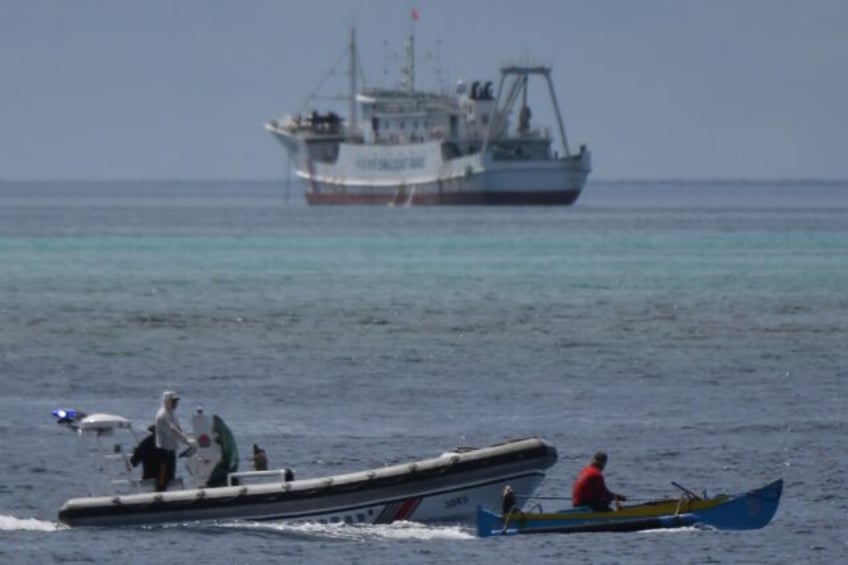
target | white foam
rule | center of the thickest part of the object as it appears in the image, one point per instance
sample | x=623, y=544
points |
x=393, y=531
x=672, y=530
x=11, y=524
x=415, y=530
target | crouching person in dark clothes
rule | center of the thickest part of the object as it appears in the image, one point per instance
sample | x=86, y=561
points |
x=145, y=454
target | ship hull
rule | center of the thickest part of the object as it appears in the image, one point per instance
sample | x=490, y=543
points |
x=476, y=198
x=419, y=175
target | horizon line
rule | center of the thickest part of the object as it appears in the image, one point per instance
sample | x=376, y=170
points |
x=621, y=180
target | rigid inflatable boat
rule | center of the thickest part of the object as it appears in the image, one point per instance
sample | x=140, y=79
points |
x=444, y=489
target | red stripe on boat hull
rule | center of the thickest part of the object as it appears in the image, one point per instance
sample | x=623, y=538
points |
x=406, y=509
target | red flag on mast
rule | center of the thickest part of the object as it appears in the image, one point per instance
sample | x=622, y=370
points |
x=415, y=14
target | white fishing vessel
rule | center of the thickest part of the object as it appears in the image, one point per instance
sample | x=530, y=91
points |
x=447, y=488
x=405, y=146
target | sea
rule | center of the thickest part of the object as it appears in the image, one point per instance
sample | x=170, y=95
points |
x=696, y=331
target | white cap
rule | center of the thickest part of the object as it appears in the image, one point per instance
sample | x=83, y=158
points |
x=170, y=395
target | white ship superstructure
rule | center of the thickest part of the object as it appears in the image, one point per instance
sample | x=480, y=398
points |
x=405, y=147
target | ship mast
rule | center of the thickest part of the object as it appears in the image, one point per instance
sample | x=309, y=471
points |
x=352, y=113
x=409, y=68
x=411, y=58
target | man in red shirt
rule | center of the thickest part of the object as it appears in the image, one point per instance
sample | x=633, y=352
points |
x=589, y=488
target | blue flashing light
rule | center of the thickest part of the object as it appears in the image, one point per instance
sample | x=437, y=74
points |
x=65, y=413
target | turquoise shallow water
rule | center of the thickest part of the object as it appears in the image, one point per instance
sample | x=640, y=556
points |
x=696, y=331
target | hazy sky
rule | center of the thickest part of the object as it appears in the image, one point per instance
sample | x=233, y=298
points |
x=180, y=89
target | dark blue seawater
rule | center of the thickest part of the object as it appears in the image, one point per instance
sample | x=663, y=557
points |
x=698, y=332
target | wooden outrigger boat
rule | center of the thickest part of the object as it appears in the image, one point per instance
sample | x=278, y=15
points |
x=746, y=511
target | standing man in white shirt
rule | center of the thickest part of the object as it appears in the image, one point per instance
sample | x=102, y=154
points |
x=168, y=435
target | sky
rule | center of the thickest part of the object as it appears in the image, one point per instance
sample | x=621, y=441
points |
x=657, y=89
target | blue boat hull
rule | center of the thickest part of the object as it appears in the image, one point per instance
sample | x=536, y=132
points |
x=747, y=511
x=750, y=511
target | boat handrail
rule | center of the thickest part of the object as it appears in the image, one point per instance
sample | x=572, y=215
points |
x=132, y=485
x=134, y=482
x=273, y=473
